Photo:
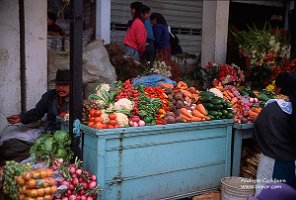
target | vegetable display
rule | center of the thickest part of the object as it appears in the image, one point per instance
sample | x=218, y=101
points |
x=168, y=103
x=49, y=147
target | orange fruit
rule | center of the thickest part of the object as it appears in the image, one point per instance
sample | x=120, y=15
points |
x=31, y=184
x=40, y=192
x=32, y=193
x=47, y=190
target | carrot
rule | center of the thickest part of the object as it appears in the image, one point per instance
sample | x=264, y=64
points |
x=201, y=109
x=256, y=110
x=230, y=93
x=197, y=113
x=234, y=100
x=185, y=112
x=182, y=85
x=252, y=113
x=196, y=119
x=184, y=117
x=207, y=118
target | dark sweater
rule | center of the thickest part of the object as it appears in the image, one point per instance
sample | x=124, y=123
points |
x=273, y=134
x=46, y=105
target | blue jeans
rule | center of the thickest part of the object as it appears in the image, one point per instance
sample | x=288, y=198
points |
x=132, y=52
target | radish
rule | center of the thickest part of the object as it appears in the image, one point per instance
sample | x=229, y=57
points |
x=72, y=170
x=65, y=198
x=75, y=181
x=78, y=172
x=84, y=184
x=83, y=197
x=69, y=192
x=93, y=178
x=135, y=124
x=81, y=192
x=66, y=183
x=71, y=186
x=78, y=197
x=72, y=197
x=89, y=198
x=92, y=184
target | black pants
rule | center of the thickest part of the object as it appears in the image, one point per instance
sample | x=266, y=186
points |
x=149, y=53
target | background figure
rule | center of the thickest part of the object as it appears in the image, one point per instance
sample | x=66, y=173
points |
x=136, y=35
x=148, y=55
x=162, y=37
x=174, y=42
x=54, y=29
x=274, y=131
x=16, y=142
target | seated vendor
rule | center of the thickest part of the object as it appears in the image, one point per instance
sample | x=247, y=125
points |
x=16, y=142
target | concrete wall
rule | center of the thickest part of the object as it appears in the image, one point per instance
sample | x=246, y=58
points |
x=214, y=31
x=35, y=56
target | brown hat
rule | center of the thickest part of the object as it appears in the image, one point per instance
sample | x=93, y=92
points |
x=62, y=76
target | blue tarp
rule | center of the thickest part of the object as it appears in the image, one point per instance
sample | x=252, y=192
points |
x=152, y=80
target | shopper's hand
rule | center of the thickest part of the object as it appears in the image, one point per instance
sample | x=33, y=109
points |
x=14, y=119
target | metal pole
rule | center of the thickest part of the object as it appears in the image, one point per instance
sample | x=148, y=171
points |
x=76, y=35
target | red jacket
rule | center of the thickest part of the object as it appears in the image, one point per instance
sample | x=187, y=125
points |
x=136, y=36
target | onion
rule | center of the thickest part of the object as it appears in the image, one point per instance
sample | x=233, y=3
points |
x=89, y=198
x=81, y=192
x=65, y=198
x=136, y=119
x=69, y=192
x=141, y=123
x=92, y=184
x=135, y=124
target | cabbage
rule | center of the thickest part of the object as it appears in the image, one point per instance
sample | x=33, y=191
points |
x=61, y=136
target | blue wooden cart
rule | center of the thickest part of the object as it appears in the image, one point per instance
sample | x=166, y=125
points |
x=159, y=162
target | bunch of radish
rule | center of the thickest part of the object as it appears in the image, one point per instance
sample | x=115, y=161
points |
x=135, y=121
x=80, y=184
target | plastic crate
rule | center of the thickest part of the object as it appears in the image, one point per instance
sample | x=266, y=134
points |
x=159, y=162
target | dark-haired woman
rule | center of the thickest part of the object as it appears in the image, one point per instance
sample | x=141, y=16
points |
x=162, y=36
x=136, y=35
x=275, y=133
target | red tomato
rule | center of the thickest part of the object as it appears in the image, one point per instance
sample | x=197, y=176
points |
x=91, y=124
x=98, y=113
x=110, y=126
x=112, y=122
x=91, y=119
x=104, y=126
x=98, y=125
x=112, y=116
x=99, y=119
x=116, y=126
x=92, y=112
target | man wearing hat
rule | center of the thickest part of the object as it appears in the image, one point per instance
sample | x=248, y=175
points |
x=53, y=103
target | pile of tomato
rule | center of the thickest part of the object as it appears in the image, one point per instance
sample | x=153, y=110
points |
x=98, y=122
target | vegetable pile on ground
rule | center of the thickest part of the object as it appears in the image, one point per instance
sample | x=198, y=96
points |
x=49, y=147
x=11, y=171
x=77, y=183
x=37, y=184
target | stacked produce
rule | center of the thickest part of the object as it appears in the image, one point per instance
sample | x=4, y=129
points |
x=11, y=171
x=37, y=184
x=77, y=183
x=49, y=147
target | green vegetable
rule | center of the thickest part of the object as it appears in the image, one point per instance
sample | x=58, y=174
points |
x=61, y=153
x=48, y=144
x=61, y=136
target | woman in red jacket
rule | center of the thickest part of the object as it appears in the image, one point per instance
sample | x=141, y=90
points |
x=136, y=35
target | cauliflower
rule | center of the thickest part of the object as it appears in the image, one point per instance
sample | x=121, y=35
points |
x=121, y=119
x=217, y=92
x=105, y=117
x=124, y=104
x=104, y=86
